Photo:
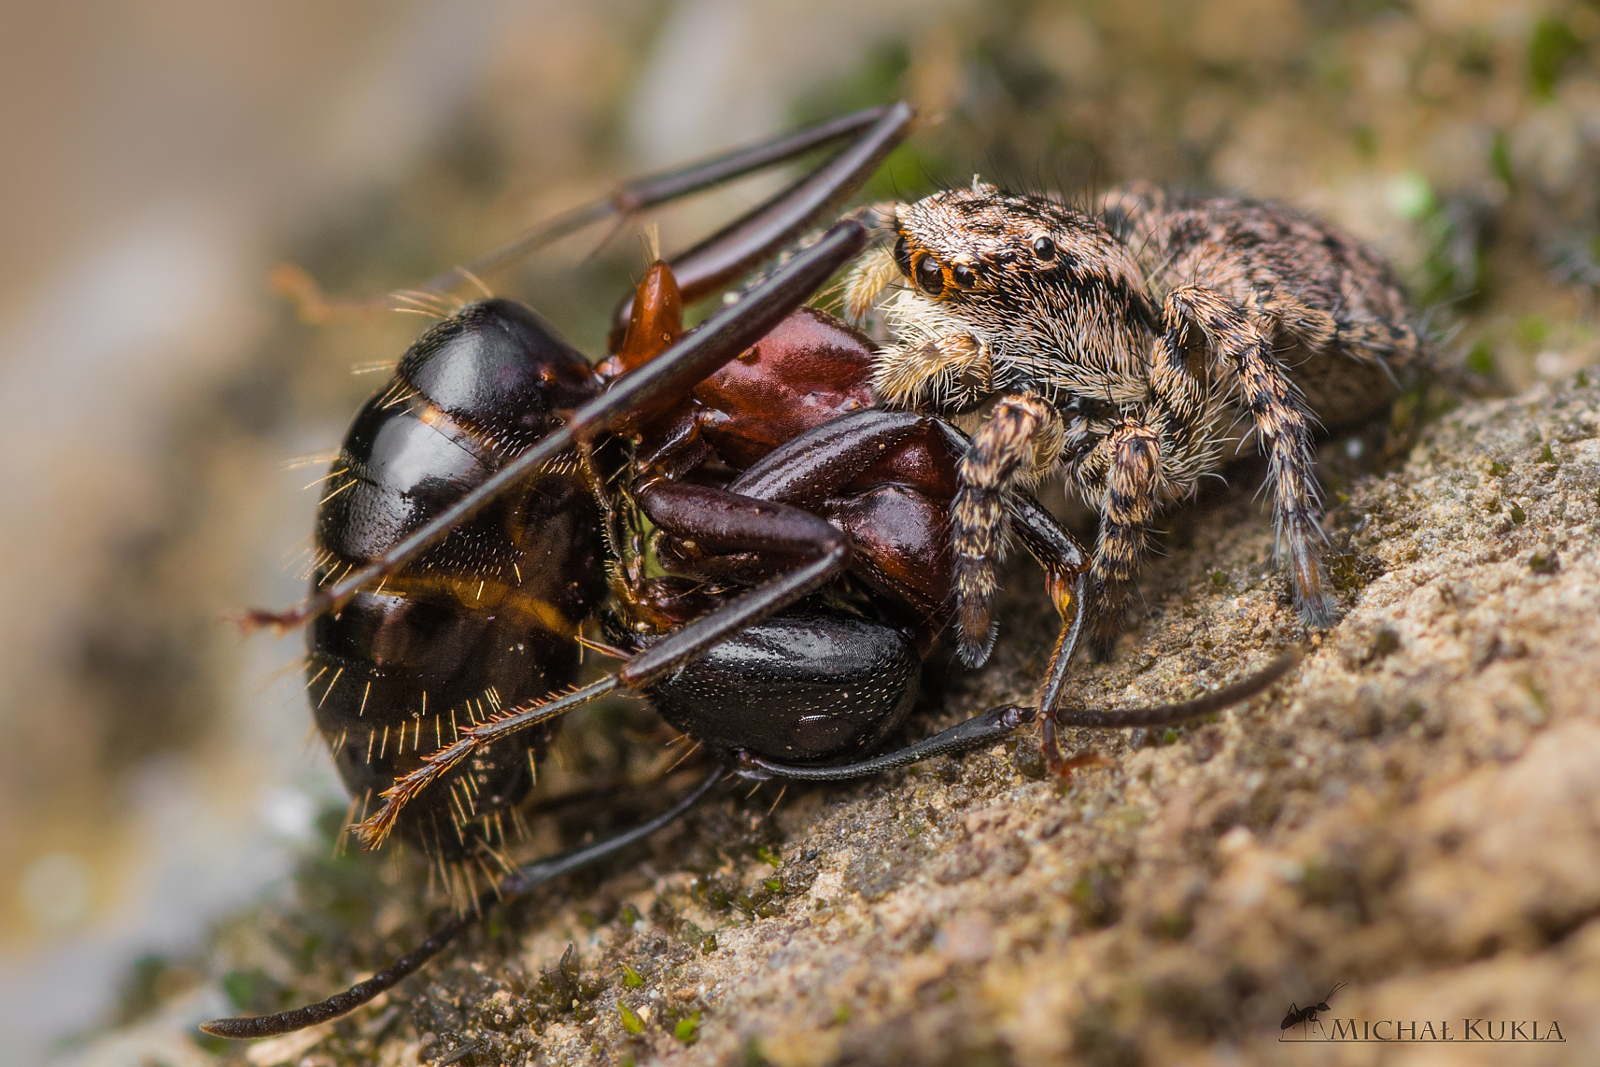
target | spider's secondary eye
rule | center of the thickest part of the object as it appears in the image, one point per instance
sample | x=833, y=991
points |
x=902, y=257
x=964, y=275
x=1044, y=248
x=929, y=277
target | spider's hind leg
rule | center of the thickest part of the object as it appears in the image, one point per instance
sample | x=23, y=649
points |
x=1285, y=425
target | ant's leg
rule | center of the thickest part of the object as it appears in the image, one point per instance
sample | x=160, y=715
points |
x=1020, y=439
x=1172, y=714
x=1284, y=423
x=1165, y=715
x=520, y=881
x=807, y=469
x=721, y=521
x=979, y=731
x=1066, y=578
x=992, y=725
x=776, y=222
x=697, y=355
x=872, y=134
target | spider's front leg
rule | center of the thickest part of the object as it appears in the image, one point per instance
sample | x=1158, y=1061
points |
x=1127, y=468
x=1282, y=419
x=1020, y=441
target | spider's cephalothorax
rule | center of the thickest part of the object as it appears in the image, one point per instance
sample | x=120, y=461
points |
x=1124, y=346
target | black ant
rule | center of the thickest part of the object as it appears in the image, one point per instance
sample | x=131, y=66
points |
x=1308, y=1014
x=499, y=494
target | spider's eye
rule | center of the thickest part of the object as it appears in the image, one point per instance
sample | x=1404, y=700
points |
x=1044, y=248
x=964, y=275
x=902, y=257
x=930, y=278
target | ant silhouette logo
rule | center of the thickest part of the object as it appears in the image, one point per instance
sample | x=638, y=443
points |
x=1307, y=1015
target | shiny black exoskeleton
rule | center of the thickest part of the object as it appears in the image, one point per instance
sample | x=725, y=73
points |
x=483, y=620
x=805, y=686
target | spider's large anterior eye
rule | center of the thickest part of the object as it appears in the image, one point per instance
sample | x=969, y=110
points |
x=902, y=256
x=964, y=275
x=1044, y=248
x=930, y=278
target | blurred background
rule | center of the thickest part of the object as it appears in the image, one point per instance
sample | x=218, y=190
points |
x=158, y=775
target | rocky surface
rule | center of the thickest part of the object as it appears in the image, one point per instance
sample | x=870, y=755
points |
x=1413, y=811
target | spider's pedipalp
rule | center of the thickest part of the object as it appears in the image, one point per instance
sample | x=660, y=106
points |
x=873, y=273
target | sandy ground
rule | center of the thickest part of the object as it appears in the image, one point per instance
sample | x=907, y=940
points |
x=1411, y=812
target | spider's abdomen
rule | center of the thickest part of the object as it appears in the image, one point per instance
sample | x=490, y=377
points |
x=1337, y=317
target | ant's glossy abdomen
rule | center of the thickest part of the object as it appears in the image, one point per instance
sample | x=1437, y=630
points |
x=486, y=618
x=803, y=687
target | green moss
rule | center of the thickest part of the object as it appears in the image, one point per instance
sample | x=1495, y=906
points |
x=1551, y=47
x=1500, y=160
x=687, y=1028
x=251, y=991
x=142, y=990
x=630, y=1019
x=1532, y=331
x=1480, y=359
x=1096, y=897
x=1384, y=644
x=1366, y=141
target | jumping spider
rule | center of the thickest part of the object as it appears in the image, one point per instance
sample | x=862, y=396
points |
x=1123, y=347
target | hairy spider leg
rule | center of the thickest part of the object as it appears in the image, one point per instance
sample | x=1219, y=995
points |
x=1004, y=455
x=515, y=884
x=1286, y=426
x=1174, y=430
x=698, y=354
